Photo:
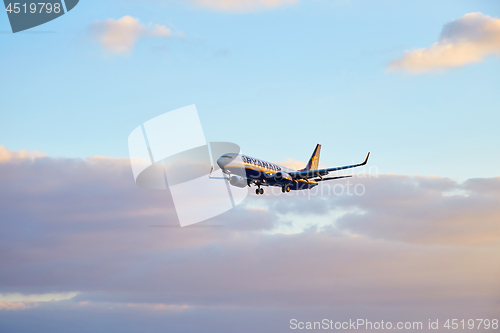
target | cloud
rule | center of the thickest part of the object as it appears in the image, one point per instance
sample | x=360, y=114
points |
x=18, y=301
x=241, y=6
x=17, y=297
x=292, y=163
x=295, y=164
x=409, y=245
x=469, y=39
x=13, y=306
x=8, y=155
x=430, y=210
x=120, y=36
x=158, y=306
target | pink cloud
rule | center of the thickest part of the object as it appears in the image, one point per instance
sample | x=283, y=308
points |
x=74, y=224
x=120, y=36
x=16, y=306
x=469, y=39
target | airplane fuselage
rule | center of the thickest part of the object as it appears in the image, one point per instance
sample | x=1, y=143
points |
x=242, y=170
x=259, y=172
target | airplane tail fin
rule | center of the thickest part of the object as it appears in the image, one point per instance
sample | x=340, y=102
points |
x=314, y=160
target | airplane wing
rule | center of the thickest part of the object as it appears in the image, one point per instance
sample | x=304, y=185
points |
x=306, y=174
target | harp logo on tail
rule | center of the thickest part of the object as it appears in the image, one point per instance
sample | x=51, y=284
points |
x=314, y=160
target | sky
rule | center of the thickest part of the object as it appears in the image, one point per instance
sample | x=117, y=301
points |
x=83, y=249
x=276, y=80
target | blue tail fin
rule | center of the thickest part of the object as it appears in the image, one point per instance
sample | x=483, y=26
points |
x=314, y=161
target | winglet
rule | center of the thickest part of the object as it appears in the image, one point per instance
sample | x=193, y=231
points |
x=366, y=159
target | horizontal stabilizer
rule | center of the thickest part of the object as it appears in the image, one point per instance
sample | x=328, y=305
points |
x=330, y=178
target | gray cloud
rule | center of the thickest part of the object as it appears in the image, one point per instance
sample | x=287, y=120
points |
x=427, y=210
x=83, y=225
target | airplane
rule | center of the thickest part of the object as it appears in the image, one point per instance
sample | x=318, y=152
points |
x=242, y=171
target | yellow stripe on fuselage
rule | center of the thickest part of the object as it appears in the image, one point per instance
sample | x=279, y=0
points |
x=260, y=170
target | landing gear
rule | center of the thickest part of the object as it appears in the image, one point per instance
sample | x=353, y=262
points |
x=259, y=191
x=285, y=189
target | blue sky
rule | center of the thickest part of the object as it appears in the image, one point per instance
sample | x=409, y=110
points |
x=274, y=81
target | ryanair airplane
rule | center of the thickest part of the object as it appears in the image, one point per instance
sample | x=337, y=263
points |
x=244, y=171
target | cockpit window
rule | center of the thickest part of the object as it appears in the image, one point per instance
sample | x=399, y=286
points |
x=227, y=156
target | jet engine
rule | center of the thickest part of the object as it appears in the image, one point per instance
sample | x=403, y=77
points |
x=282, y=177
x=238, y=181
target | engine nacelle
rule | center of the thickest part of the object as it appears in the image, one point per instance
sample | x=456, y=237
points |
x=282, y=177
x=238, y=181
